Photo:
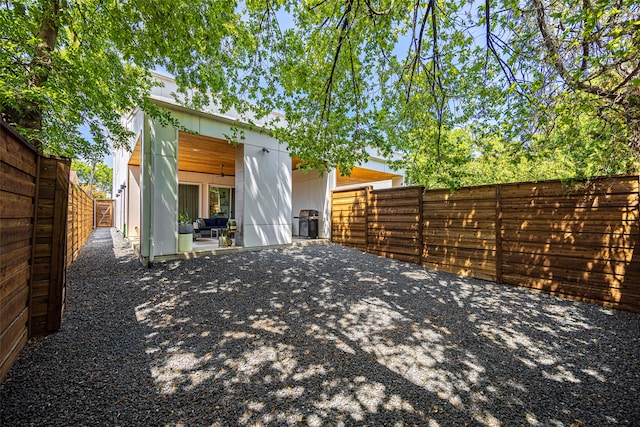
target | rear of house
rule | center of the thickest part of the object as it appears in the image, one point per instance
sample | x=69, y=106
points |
x=200, y=174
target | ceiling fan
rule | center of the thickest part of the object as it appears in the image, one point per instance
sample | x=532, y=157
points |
x=222, y=174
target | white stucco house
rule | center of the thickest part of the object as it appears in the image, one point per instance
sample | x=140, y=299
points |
x=256, y=182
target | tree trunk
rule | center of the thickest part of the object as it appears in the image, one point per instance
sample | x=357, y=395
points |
x=28, y=114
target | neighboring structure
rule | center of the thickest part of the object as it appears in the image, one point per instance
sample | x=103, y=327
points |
x=168, y=171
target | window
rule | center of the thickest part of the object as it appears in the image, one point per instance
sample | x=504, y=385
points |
x=188, y=200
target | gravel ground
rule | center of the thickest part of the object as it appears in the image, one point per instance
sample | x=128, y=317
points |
x=318, y=335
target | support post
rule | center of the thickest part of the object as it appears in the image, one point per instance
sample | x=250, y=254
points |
x=498, y=231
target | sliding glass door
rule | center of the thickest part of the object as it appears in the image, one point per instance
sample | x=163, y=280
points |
x=222, y=202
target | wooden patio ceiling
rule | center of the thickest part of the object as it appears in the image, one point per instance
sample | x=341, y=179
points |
x=361, y=175
x=204, y=154
x=198, y=153
x=358, y=175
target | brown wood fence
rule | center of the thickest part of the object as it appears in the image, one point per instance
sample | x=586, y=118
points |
x=349, y=217
x=18, y=176
x=80, y=219
x=48, y=272
x=104, y=213
x=34, y=215
x=580, y=242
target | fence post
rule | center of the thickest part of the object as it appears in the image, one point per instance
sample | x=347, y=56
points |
x=420, y=225
x=57, y=278
x=34, y=235
x=498, y=231
x=367, y=202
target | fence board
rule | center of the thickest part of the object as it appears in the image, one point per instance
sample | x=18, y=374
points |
x=469, y=194
x=463, y=270
x=15, y=152
x=597, y=187
x=578, y=241
x=611, y=240
x=610, y=298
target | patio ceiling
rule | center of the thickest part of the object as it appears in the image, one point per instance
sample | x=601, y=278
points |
x=135, y=155
x=361, y=175
x=198, y=153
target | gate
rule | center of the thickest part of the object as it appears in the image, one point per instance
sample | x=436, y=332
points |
x=104, y=213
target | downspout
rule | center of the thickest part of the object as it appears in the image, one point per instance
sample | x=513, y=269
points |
x=152, y=198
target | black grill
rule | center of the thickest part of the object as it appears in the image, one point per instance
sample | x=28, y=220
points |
x=308, y=223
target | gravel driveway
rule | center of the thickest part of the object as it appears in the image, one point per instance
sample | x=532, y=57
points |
x=318, y=335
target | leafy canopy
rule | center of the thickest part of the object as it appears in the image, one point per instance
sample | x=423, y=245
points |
x=448, y=82
x=99, y=175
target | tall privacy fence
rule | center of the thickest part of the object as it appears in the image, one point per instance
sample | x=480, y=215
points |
x=580, y=241
x=43, y=224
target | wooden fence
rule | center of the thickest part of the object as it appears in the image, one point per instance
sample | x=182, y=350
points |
x=48, y=271
x=36, y=206
x=80, y=219
x=18, y=176
x=580, y=242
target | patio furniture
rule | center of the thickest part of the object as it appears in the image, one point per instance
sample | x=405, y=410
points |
x=212, y=225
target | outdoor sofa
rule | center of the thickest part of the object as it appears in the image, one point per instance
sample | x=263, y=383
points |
x=211, y=225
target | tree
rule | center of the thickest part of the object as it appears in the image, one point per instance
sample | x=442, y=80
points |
x=66, y=63
x=399, y=75
x=98, y=174
x=362, y=72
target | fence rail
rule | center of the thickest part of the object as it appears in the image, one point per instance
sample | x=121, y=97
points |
x=580, y=242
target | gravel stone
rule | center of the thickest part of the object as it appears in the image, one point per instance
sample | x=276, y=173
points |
x=317, y=335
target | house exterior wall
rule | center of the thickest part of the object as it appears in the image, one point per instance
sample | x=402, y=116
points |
x=239, y=172
x=266, y=188
x=262, y=184
x=313, y=191
x=122, y=174
x=159, y=195
x=268, y=193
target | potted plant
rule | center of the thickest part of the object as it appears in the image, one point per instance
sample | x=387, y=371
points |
x=185, y=226
x=224, y=240
x=232, y=225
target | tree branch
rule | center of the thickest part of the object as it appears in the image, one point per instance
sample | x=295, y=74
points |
x=556, y=60
x=379, y=12
x=344, y=31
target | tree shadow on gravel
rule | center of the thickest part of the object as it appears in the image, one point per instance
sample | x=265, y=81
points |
x=326, y=335
x=95, y=370
x=329, y=335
